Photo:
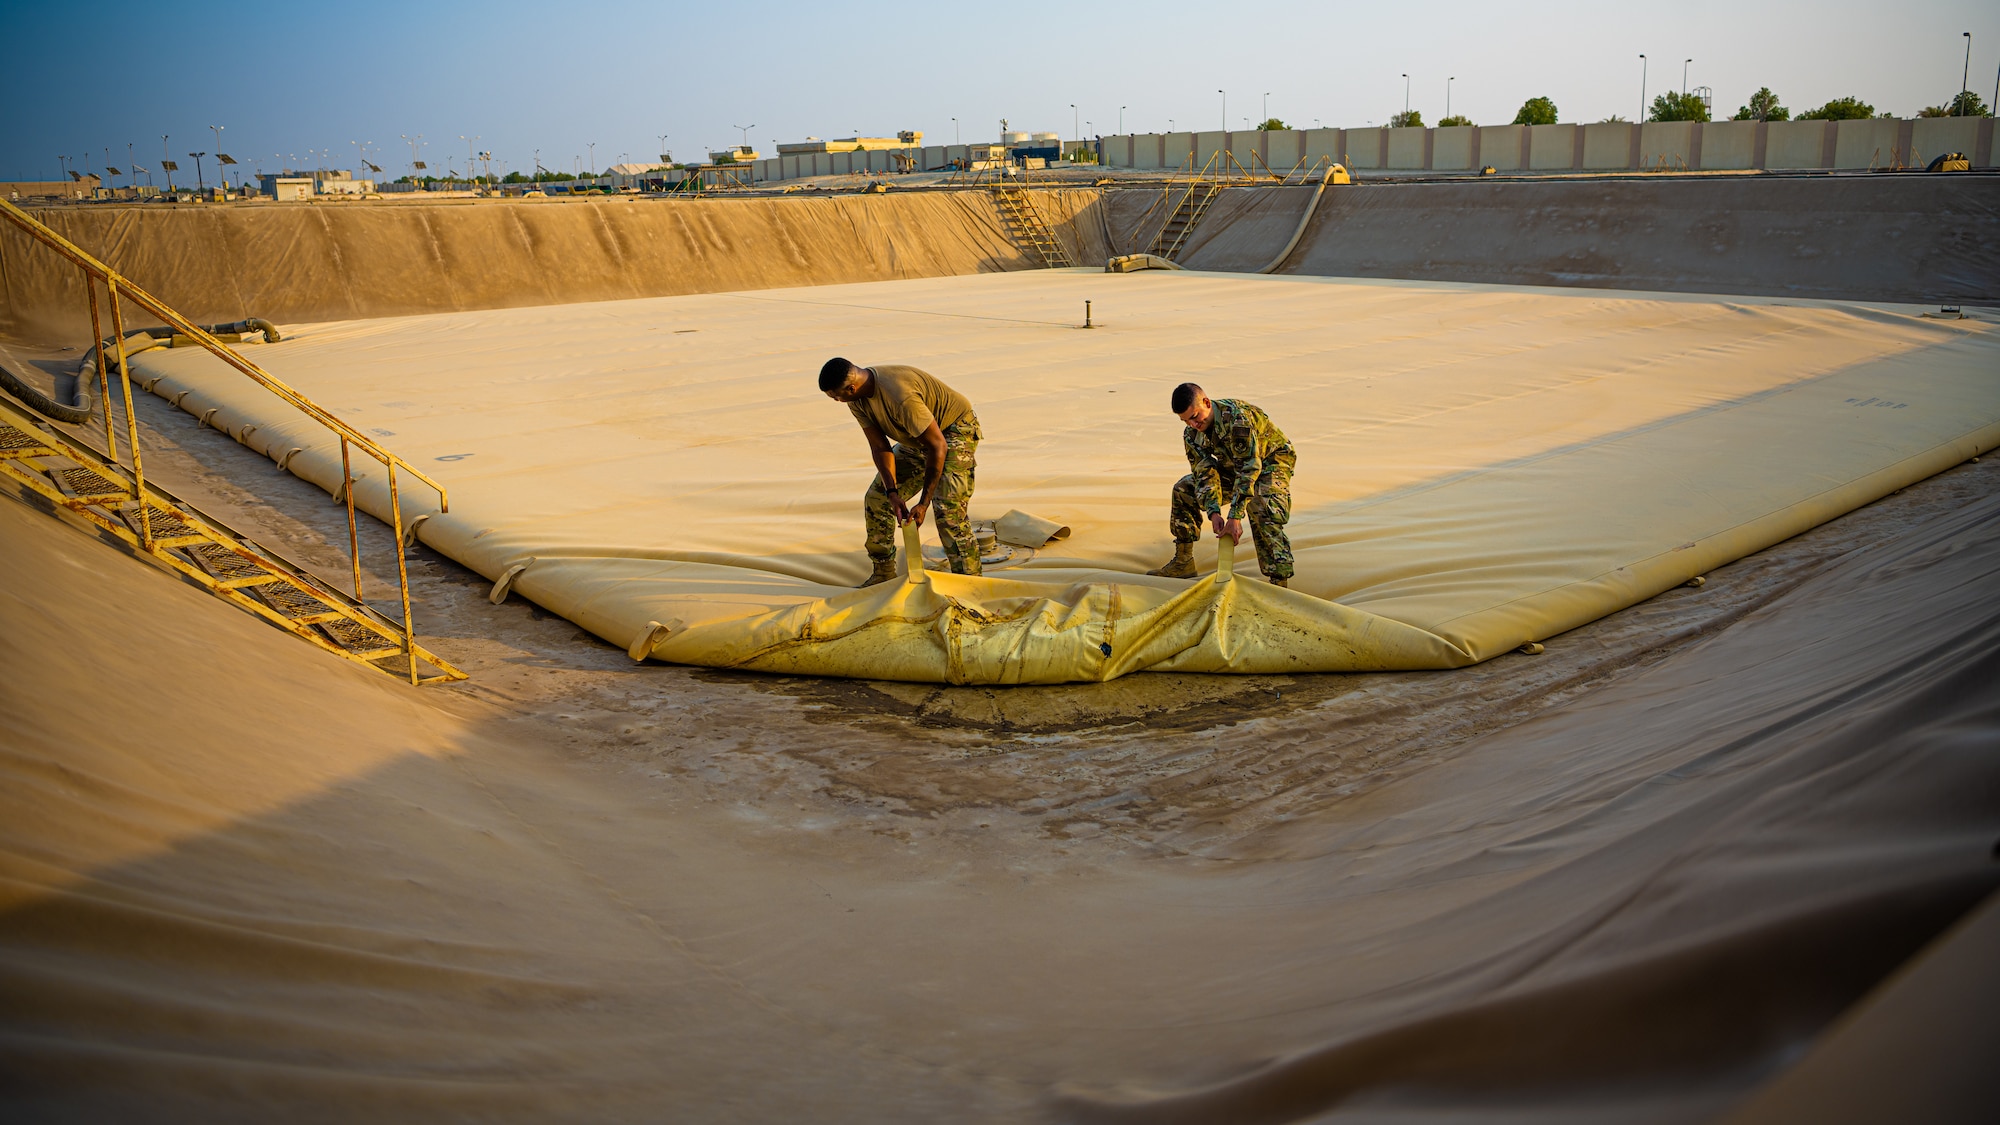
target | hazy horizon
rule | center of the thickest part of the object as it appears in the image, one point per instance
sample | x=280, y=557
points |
x=299, y=86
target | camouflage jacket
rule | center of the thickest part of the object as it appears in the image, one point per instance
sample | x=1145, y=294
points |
x=1235, y=450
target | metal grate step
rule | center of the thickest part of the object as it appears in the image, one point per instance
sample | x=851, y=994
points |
x=16, y=442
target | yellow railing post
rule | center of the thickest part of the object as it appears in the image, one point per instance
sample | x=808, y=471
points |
x=403, y=574
x=103, y=381
x=353, y=534
x=131, y=418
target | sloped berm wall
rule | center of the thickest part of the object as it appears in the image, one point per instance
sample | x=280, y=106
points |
x=1911, y=238
x=314, y=262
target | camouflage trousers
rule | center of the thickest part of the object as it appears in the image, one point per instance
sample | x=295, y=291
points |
x=1267, y=512
x=949, y=504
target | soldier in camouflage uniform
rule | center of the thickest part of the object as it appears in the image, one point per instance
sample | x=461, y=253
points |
x=936, y=439
x=1239, y=458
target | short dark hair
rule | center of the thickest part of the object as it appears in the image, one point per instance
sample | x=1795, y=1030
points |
x=1184, y=396
x=834, y=374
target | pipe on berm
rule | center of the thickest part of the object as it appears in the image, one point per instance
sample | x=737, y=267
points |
x=42, y=404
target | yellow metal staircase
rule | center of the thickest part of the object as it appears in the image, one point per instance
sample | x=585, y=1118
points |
x=118, y=499
x=1025, y=226
x=71, y=476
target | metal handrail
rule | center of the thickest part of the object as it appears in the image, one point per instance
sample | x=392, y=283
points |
x=93, y=271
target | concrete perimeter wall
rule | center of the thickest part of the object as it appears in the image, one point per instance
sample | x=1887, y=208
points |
x=1604, y=147
x=308, y=262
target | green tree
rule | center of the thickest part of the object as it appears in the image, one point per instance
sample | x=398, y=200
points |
x=1615, y=119
x=1967, y=103
x=1840, y=109
x=1273, y=125
x=1763, y=107
x=1454, y=119
x=1536, y=111
x=1671, y=106
x=1408, y=119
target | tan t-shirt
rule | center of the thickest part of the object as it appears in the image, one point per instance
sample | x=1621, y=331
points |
x=906, y=401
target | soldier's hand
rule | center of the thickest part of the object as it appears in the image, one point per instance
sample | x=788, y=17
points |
x=1233, y=529
x=923, y=505
x=899, y=509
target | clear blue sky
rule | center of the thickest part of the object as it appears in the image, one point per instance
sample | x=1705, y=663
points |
x=288, y=78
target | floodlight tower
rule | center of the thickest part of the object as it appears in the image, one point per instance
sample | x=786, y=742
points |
x=222, y=160
x=416, y=161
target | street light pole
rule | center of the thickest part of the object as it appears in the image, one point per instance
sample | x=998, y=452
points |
x=1267, y=105
x=1965, y=79
x=1447, y=94
x=1642, y=89
x=1121, y=120
x=1074, y=130
x=221, y=169
x=1225, y=109
x=1406, y=99
x=954, y=131
x=1684, y=77
x=746, y=133
x=592, y=146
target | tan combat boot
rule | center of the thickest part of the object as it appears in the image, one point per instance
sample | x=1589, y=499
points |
x=1181, y=565
x=885, y=569
x=1284, y=582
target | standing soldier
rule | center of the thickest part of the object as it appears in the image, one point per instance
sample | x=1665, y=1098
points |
x=934, y=428
x=1235, y=457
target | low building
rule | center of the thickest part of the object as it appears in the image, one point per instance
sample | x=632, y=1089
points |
x=286, y=187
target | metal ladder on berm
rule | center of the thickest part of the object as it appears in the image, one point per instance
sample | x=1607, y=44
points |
x=73, y=477
x=1026, y=228
x=1180, y=223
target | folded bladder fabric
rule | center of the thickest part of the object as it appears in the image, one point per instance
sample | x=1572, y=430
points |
x=1478, y=466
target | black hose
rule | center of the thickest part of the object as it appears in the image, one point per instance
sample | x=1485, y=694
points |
x=43, y=404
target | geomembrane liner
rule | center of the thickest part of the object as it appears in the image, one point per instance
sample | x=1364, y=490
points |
x=1479, y=466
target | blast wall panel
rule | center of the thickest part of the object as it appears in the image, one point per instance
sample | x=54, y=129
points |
x=1452, y=150
x=1729, y=144
x=1607, y=145
x=1552, y=147
x=1500, y=147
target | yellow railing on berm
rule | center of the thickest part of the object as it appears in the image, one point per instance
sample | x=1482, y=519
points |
x=119, y=291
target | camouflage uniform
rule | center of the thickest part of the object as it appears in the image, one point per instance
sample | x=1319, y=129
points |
x=949, y=503
x=1246, y=461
